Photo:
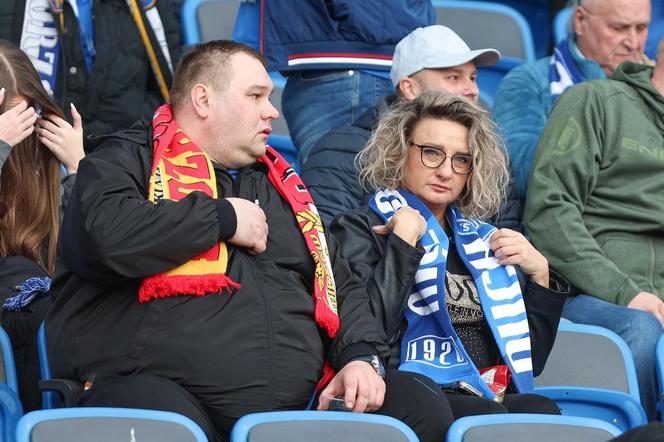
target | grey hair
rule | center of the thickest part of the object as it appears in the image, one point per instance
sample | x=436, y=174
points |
x=383, y=159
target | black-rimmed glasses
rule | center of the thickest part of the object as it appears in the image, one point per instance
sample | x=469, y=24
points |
x=433, y=158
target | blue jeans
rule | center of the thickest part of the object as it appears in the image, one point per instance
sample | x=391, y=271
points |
x=639, y=329
x=314, y=102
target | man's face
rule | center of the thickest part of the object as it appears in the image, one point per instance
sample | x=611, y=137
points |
x=612, y=31
x=241, y=115
x=458, y=80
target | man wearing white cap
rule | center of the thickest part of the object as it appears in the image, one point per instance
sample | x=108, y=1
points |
x=434, y=57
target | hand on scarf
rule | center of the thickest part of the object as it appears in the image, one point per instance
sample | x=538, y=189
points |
x=362, y=388
x=17, y=123
x=513, y=248
x=650, y=303
x=252, y=229
x=407, y=224
x=62, y=139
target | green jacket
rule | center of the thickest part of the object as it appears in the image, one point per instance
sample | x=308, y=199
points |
x=595, y=203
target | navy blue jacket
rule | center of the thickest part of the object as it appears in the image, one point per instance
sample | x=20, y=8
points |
x=330, y=34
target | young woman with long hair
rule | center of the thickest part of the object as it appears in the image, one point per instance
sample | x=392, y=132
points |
x=35, y=142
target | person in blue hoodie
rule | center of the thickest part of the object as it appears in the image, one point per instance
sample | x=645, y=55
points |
x=604, y=34
x=337, y=55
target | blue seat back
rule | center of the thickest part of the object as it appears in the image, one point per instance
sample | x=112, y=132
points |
x=659, y=364
x=205, y=20
x=489, y=78
x=561, y=23
x=321, y=426
x=107, y=424
x=530, y=427
x=590, y=372
x=7, y=363
x=502, y=27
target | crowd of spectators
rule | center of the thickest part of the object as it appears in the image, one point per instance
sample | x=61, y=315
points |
x=201, y=275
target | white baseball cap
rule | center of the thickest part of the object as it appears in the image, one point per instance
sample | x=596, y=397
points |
x=435, y=47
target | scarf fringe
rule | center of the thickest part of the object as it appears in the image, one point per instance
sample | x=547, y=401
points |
x=326, y=318
x=162, y=286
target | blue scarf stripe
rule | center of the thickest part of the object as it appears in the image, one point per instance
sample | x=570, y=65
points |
x=430, y=345
x=563, y=72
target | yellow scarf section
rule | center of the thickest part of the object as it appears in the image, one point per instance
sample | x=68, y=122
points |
x=179, y=168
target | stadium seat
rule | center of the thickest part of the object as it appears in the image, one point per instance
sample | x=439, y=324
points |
x=8, y=366
x=502, y=27
x=106, y=425
x=321, y=426
x=590, y=373
x=56, y=393
x=659, y=363
x=205, y=20
x=561, y=22
x=530, y=427
x=489, y=78
x=11, y=411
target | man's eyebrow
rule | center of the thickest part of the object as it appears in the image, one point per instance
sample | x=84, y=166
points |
x=259, y=88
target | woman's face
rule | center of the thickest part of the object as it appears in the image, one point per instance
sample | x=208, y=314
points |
x=439, y=187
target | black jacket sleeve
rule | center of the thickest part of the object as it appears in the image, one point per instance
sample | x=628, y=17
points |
x=111, y=229
x=360, y=333
x=387, y=265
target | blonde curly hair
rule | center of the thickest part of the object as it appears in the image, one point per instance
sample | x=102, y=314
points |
x=382, y=161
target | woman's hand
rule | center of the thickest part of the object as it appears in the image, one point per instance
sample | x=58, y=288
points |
x=513, y=248
x=17, y=123
x=407, y=224
x=63, y=139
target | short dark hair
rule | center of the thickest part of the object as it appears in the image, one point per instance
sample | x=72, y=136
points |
x=207, y=63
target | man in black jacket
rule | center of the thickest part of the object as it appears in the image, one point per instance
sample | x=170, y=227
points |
x=433, y=57
x=141, y=225
x=94, y=56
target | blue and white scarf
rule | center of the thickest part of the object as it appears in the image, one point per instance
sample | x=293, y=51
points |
x=430, y=345
x=563, y=72
x=39, y=37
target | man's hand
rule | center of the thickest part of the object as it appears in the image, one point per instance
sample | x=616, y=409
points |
x=17, y=123
x=650, y=303
x=362, y=388
x=251, y=231
x=407, y=224
x=511, y=247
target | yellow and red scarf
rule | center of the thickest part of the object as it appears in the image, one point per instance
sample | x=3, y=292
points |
x=180, y=167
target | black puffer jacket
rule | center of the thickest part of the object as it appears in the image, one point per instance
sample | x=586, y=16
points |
x=121, y=88
x=254, y=350
x=387, y=264
x=333, y=181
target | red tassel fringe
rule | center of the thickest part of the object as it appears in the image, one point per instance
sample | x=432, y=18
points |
x=326, y=318
x=163, y=286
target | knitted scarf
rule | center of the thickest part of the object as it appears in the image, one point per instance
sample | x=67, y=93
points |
x=430, y=345
x=180, y=167
x=563, y=72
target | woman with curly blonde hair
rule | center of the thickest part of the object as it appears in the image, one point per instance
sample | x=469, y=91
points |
x=443, y=283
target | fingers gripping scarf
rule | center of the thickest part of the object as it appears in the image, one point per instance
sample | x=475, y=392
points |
x=180, y=167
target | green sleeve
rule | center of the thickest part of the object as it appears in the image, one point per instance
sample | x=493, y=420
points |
x=563, y=176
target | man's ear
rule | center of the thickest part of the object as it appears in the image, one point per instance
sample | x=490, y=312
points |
x=200, y=100
x=410, y=88
x=579, y=17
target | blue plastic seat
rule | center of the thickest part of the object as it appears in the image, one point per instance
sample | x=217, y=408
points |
x=107, y=424
x=205, y=20
x=502, y=27
x=321, y=426
x=489, y=78
x=659, y=364
x=530, y=427
x=561, y=23
x=590, y=373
